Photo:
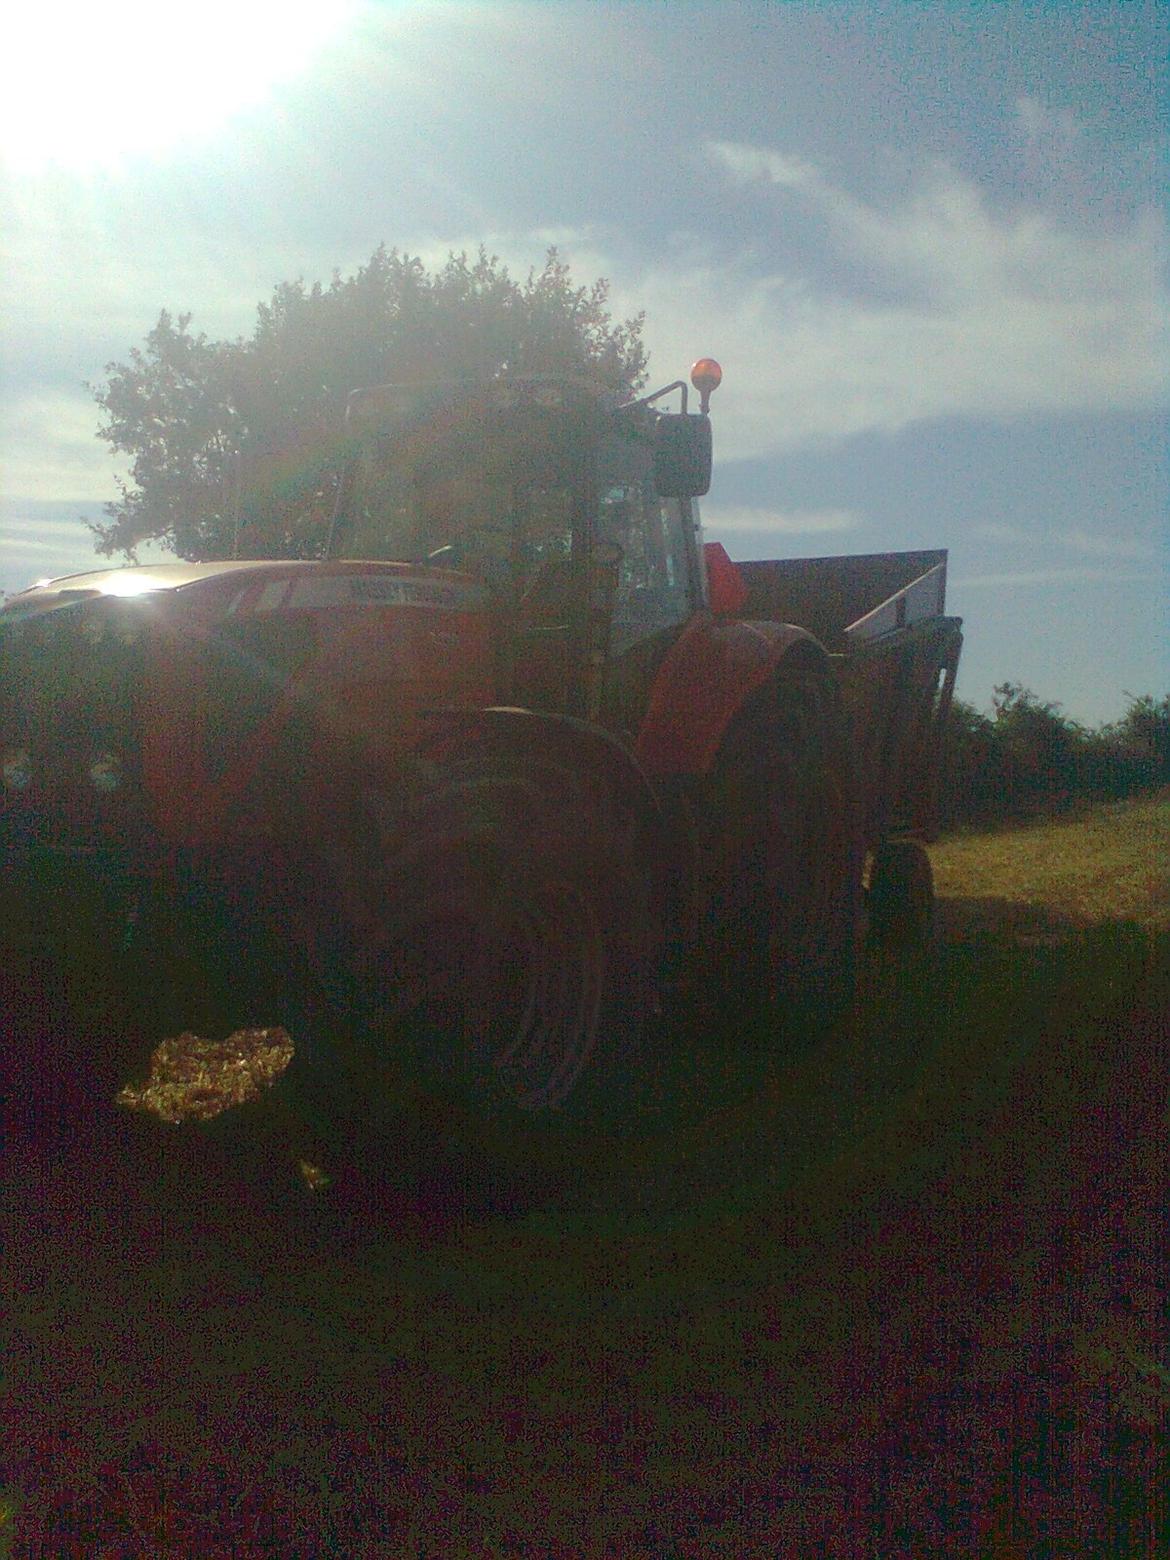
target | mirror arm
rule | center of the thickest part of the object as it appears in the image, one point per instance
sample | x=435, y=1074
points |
x=648, y=400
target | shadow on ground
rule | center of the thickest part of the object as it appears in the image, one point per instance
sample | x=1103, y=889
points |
x=898, y=1295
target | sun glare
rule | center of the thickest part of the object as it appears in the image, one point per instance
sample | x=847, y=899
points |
x=88, y=85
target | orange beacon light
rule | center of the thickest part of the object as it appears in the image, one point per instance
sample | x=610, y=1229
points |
x=706, y=376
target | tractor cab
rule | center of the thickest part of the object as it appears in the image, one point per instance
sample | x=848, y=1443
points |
x=576, y=513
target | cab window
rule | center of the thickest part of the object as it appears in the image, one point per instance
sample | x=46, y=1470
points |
x=505, y=528
x=649, y=538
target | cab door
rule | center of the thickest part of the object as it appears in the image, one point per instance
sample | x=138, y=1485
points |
x=654, y=592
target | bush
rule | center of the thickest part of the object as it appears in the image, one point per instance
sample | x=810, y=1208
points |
x=1026, y=757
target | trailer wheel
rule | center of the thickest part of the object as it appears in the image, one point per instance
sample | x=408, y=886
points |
x=902, y=913
x=509, y=957
x=787, y=873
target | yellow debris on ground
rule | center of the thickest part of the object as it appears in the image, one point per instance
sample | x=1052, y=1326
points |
x=193, y=1079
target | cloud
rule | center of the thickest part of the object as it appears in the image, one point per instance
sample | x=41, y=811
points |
x=789, y=522
x=1000, y=531
x=747, y=164
x=62, y=548
x=1051, y=138
x=1105, y=546
x=1043, y=577
x=1000, y=313
x=1090, y=544
x=32, y=550
x=38, y=529
x=50, y=448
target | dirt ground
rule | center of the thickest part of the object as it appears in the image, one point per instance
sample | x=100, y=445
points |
x=901, y=1296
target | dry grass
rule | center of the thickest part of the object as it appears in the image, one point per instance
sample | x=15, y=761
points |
x=193, y=1079
x=1112, y=863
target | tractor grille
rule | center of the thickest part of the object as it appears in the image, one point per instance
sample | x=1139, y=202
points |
x=247, y=667
x=70, y=687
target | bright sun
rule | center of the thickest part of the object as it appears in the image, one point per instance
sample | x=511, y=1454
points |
x=86, y=84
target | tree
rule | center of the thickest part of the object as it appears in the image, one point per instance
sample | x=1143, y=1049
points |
x=249, y=432
x=971, y=780
x=1141, y=740
x=1039, y=746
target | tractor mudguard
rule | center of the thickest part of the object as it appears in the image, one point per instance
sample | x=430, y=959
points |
x=563, y=740
x=707, y=677
x=558, y=739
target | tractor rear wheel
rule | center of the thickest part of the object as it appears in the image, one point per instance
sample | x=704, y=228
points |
x=784, y=827
x=507, y=966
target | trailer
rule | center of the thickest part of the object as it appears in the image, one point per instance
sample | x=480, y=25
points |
x=895, y=653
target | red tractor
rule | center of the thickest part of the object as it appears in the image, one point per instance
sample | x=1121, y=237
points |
x=518, y=765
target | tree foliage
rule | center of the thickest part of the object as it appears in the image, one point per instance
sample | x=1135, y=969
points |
x=1026, y=757
x=251, y=429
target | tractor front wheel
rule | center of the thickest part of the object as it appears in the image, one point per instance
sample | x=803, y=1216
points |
x=509, y=956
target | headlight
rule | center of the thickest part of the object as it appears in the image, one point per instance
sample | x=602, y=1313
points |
x=16, y=769
x=105, y=772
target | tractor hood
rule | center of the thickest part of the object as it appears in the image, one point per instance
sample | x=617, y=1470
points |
x=192, y=701
x=300, y=583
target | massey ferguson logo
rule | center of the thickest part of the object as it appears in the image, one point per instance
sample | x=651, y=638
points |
x=445, y=595
x=318, y=593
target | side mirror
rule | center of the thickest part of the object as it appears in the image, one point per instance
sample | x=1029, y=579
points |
x=682, y=455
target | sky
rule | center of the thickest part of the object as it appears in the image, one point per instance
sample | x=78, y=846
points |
x=927, y=243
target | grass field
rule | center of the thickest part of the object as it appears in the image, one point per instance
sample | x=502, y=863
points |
x=1110, y=864
x=899, y=1296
